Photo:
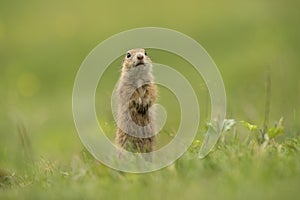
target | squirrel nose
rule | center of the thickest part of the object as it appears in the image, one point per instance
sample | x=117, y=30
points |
x=140, y=57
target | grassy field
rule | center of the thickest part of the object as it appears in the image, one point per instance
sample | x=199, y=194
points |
x=236, y=169
x=42, y=45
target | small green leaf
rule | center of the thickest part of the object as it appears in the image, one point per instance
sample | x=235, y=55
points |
x=277, y=130
x=250, y=127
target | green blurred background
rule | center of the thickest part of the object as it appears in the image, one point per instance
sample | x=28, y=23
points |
x=42, y=44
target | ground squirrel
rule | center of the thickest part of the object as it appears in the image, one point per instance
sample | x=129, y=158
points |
x=136, y=93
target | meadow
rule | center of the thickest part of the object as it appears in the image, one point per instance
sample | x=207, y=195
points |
x=255, y=45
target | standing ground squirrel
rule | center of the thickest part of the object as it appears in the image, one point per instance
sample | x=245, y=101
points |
x=136, y=93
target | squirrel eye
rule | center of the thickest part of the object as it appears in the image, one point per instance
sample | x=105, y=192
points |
x=128, y=55
x=145, y=53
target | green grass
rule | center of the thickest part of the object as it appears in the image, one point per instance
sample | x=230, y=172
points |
x=238, y=168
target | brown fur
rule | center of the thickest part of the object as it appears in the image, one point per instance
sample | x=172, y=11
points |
x=136, y=107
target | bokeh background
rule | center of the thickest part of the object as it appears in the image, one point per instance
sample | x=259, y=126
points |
x=42, y=44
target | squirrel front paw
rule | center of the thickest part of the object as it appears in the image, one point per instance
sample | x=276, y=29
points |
x=141, y=105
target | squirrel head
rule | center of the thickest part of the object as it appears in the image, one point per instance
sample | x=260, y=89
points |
x=135, y=58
